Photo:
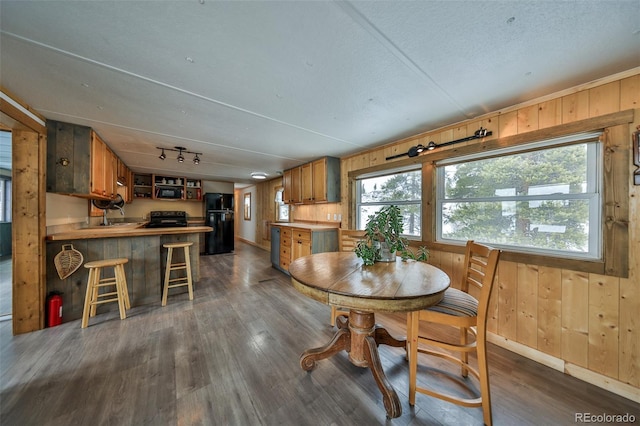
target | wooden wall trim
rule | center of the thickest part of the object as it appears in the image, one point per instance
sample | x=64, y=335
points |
x=28, y=230
x=19, y=111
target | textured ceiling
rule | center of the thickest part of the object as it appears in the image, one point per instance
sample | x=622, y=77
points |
x=264, y=86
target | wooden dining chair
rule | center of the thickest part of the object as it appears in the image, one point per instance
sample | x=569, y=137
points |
x=347, y=241
x=461, y=310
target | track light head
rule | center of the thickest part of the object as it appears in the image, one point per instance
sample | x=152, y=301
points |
x=180, y=150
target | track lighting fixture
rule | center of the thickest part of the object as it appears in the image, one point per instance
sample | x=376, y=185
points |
x=180, y=150
x=418, y=149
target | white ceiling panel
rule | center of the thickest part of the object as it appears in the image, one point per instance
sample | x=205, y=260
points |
x=264, y=86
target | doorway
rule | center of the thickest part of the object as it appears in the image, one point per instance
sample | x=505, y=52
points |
x=5, y=227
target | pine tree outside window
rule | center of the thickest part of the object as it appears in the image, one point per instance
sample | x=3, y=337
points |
x=541, y=198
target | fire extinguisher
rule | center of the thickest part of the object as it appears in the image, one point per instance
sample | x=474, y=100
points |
x=54, y=309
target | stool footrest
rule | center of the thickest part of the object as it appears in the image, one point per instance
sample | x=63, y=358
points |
x=178, y=285
x=100, y=302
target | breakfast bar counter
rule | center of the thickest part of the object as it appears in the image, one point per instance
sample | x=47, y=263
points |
x=124, y=230
x=141, y=246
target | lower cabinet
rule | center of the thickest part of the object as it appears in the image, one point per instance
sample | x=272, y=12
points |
x=298, y=242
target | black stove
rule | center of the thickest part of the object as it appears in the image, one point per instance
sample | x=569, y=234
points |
x=167, y=219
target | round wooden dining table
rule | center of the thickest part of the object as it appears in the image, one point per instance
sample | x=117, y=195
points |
x=341, y=279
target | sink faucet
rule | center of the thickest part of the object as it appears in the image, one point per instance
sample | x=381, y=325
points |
x=105, y=222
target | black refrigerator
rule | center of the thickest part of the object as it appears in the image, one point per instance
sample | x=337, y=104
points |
x=218, y=214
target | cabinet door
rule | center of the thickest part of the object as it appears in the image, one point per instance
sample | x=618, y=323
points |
x=296, y=193
x=110, y=166
x=300, y=243
x=68, y=158
x=97, y=165
x=320, y=180
x=306, y=182
x=286, y=183
x=300, y=249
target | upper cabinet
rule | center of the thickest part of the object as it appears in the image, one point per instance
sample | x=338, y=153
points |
x=162, y=187
x=79, y=162
x=314, y=182
x=326, y=180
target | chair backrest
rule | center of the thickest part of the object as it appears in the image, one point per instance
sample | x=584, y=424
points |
x=480, y=267
x=349, y=238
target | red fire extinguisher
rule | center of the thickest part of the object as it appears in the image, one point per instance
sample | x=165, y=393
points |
x=54, y=309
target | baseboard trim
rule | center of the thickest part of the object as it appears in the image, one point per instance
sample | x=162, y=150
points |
x=615, y=386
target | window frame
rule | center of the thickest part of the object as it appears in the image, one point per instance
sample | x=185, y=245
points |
x=400, y=203
x=593, y=195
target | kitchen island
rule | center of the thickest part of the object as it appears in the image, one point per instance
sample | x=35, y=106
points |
x=144, y=271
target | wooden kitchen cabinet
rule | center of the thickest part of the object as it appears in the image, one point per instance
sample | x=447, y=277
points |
x=306, y=183
x=98, y=152
x=110, y=173
x=326, y=180
x=292, y=188
x=314, y=182
x=301, y=241
x=79, y=162
x=285, y=248
x=286, y=184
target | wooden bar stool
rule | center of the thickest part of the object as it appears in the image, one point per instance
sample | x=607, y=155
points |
x=180, y=281
x=119, y=294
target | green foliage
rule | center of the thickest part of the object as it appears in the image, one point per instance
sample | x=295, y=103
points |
x=386, y=226
x=514, y=222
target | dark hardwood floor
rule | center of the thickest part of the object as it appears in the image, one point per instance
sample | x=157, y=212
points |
x=230, y=357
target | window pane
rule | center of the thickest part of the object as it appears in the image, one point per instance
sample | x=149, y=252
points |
x=396, y=187
x=403, y=189
x=538, y=201
x=544, y=224
x=412, y=217
x=552, y=171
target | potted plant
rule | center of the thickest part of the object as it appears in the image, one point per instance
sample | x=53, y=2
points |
x=383, y=238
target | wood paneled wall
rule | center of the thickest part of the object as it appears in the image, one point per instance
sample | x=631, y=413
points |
x=586, y=324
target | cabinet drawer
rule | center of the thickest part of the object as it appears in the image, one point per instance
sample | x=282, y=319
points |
x=285, y=242
x=285, y=233
x=301, y=235
x=285, y=252
x=284, y=264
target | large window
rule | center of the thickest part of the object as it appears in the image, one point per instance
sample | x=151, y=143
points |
x=541, y=198
x=403, y=189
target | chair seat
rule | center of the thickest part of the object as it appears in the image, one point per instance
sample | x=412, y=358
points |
x=456, y=303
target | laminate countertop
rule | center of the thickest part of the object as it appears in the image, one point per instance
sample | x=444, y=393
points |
x=124, y=230
x=309, y=226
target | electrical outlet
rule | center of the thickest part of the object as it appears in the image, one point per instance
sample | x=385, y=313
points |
x=335, y=216
x=328, y=216
x=339, y=217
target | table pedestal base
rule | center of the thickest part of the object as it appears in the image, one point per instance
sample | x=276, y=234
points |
x=360, y=336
